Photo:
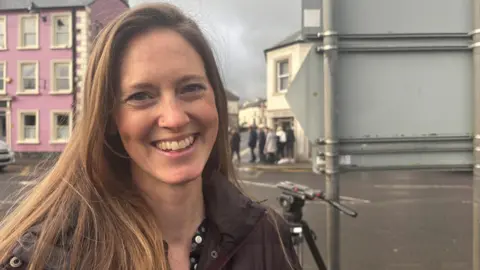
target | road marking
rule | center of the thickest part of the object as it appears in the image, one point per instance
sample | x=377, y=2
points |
x=244, y=152
x=258, y=184
x=423, y=186
x=346, y=198
x=352, y=200
x=25, y=171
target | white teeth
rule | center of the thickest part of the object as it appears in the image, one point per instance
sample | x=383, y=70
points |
x=175, y=145
x=182, y=144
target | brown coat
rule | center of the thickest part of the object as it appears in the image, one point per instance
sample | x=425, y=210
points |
x=240, y=234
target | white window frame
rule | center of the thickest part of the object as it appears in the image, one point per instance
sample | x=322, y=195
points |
x=22, y=46
x=53, y=125
x=279, y=76
x=53, y=31
x=4, y=91
x=4, y=28
x=53, y=79
x=20, y=90
x=21, y=127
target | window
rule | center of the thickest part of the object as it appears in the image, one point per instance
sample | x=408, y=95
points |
x=3, y=32
x=283, y=74
x=3, y=75
x=61, y=77
x=61, y=126
x=28, y=127
x=61, y=30
x=28, y=83
x=28, y=32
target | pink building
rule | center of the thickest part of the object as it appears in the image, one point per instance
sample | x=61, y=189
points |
x=44, y=46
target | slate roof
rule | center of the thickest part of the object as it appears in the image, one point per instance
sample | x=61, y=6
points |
x=231, y=96
x=24, y=4
x=296, y=37
x=251, y=104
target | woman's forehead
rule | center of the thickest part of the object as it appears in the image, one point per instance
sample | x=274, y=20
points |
x=158, y=55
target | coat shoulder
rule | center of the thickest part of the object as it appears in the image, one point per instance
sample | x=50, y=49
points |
x=272, y=241
x=24, y=249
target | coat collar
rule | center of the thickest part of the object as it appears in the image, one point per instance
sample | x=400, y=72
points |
x=232, y=213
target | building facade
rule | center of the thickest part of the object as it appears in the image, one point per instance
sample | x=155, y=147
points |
x=253, y=113
x=233, y=106
x=282, y=62
x=44, y=46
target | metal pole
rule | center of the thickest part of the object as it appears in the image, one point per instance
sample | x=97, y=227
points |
x=331, y=141
x=476, y=140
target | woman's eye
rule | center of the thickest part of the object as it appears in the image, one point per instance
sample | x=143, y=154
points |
x=139, y=96
x=192, y=88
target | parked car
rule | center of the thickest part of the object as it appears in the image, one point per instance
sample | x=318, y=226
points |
x=7, y=156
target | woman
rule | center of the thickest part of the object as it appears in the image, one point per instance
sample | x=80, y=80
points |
x=271, y=145
x=147, y=167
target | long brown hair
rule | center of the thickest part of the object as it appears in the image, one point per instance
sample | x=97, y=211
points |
x=86, y=202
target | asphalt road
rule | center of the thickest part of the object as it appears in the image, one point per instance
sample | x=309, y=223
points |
x=407, y=220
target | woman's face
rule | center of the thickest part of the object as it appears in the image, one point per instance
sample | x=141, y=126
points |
x=167, y=118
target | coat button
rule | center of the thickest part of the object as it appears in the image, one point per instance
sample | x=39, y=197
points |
x=15, y=262
x=214, y=254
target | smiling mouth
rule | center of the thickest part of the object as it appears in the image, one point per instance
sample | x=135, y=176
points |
x=176, y=146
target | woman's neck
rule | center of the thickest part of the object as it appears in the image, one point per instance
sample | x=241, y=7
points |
x=179, y=209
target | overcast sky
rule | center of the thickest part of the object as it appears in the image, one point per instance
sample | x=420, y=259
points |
x=239, y=31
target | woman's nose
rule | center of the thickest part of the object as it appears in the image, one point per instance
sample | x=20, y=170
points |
x=173, y=115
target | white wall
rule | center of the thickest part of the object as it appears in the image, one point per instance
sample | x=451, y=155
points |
x=83, y=50
x=232, y=107
x=248, y=115
x=277, y=105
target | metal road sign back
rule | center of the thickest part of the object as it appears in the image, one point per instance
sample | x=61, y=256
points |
x=404, y=84
x=396, y=85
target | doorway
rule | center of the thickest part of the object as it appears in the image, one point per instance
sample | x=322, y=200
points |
x=3, y=126
x=284, y=122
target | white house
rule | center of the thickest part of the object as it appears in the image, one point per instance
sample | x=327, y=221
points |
x=283, y=61
x=253, y=113
x=233, y=106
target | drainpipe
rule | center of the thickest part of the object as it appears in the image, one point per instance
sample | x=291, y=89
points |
x=74, y=65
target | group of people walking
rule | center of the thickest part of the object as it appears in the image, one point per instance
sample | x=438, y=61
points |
x=273, y=147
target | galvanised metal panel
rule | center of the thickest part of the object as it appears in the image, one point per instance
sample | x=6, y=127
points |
x=404, y=94
x=402, y=16
x=311, y=17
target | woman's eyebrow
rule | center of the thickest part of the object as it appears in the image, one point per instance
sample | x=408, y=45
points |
x=191, y=77
x=141, y=86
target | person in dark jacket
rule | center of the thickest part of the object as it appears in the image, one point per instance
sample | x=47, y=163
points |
x=252, y=143
x=235, y=144
x=146, y=180
x=290, y=154
x=262, y=137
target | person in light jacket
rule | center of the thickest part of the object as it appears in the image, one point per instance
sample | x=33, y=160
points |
x=282, y=140
x=146, y=180
x=271, y=145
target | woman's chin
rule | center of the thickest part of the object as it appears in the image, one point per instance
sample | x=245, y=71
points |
x=179, y=177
